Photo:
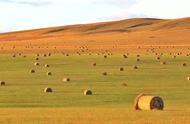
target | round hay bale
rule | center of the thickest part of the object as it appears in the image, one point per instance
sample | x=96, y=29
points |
x=105, y=73
x=37, y=54
x=36, y=64
x=49, y=54
x=94, y=64
x=105, y=56
x=174, y=57
x=184, y=64
x=49, y=73
x=125, y=56
x=87, y=92
x=135, y=67
x=163, y=63
x=32, y=71
x=125, y=84
x=188, y=78
x=2, y=83
x=47, y=66
x=48, y=90
x=37, y=58
x=45, y=55
x=121, y=69
x=138, y=60
x=146, y=102
x=138, y=55
x=158, y=58
x=14, y=56
x=66, y=79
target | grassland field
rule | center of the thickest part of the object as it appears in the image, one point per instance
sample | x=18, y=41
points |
x=23, y=100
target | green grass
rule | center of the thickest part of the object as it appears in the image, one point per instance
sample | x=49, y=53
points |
x=24, y=89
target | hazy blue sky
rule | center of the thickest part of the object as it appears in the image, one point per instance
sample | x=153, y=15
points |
x=29, y=14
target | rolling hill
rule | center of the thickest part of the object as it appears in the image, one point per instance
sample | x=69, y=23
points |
x=124, y=33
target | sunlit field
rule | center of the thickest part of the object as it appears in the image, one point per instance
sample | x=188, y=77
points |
x=23, y=99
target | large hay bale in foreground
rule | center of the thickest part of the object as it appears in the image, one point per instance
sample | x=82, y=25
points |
x=87, y=92
x=146, y=102
x=48, y=90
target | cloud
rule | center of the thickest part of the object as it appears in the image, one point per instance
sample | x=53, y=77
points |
x=122, y=16
x=34, y=3
x=117, y=3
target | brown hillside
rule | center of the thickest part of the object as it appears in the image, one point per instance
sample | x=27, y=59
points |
x=105, y=35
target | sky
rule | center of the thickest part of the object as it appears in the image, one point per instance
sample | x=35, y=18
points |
x=18, y=15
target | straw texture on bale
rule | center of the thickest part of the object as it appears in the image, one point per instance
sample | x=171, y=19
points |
x=146, y=102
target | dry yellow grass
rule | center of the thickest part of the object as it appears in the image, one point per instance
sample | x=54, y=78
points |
x=90, y=116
